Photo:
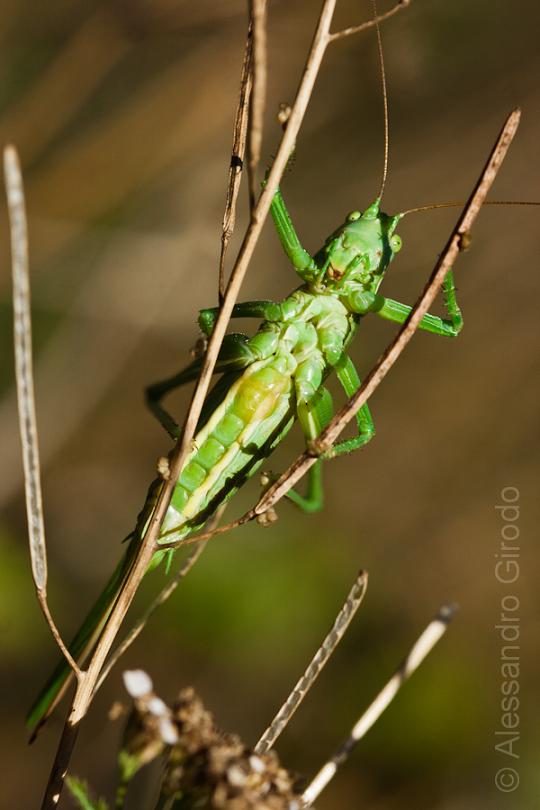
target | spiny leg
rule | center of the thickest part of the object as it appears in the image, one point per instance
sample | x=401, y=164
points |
x=350, y=381
x=447, y=327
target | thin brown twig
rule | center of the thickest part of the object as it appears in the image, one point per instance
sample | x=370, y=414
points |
x=257, y=10
x=356, y=29
x=86, y=686
x=318, y=662
x=421, y=648
x=237, y=157
x=22, y=335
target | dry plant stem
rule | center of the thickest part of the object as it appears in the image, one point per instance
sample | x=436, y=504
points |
x=355, y=29
x=22, y=329
x=316, y=665
x=422, y=647
x=447, y=259
x=257, y=10
x=237, y=157
x=86, y=685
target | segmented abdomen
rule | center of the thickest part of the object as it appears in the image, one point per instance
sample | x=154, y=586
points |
x=258, y=404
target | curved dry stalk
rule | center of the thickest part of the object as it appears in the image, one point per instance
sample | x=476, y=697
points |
x=257, y=12
x=421, y=648
x=22, y=336
x=318, y=662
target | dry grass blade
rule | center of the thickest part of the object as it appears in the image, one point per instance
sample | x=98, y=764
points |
x=447, y=259
x=422, y=647
x=22, y=329
x=237, y=157
x=318, y=662
x=257, y=12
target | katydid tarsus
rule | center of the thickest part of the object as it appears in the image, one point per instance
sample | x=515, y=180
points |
x=268, y=382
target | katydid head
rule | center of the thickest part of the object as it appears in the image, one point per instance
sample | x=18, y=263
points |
x=355, y=257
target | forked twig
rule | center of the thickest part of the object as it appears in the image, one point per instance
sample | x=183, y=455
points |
x=22, y=332
x=422, y=647
x=318, y=662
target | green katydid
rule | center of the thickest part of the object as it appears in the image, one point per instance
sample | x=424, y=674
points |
x=268, y=382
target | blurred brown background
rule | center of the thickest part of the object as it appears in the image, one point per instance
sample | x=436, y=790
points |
x=123, y=114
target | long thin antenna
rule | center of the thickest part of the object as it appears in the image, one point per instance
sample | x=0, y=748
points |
x=460, y=204
x=385, y=99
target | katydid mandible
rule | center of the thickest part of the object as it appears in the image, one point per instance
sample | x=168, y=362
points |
x=268, y=382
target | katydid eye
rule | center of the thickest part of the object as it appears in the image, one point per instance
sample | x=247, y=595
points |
x=395, y=243
x=353, y=216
